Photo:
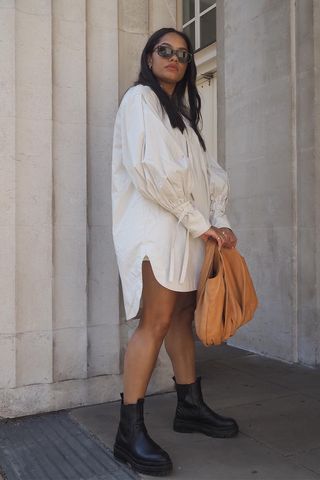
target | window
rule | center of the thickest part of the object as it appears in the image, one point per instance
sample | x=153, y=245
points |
x=199, y=22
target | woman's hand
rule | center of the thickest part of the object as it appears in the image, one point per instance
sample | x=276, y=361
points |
x=224, y=237
x=229, y=237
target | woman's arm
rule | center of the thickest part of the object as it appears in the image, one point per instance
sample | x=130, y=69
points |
x=156, y=163
x=219, y=191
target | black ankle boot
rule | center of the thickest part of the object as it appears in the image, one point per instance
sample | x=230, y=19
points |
x=193, y=415
x=134, y=446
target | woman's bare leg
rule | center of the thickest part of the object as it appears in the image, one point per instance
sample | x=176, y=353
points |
x=181, y=349
x=143, y=347
x=179, y=341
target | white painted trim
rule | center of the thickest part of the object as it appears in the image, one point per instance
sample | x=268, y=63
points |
x=189, y=22
x=206, y=59
x=207, y=10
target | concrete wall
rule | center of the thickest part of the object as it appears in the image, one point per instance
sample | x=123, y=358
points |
x=64, y=66
x=267, y=63
x=316, y=53
x=7, y=199
x=59, y=330
x=137, y=20
x=308, y=187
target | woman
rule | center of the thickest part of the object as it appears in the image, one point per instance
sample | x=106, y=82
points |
x=166, y=204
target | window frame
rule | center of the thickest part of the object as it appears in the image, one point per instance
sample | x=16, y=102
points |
x=196, y=21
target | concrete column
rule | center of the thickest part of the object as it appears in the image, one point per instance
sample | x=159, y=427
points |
x=70, y=189
x=221, y=104
x=102, y=103
x=7, y=195
x=268, y=65
x=52, y=356
x=133, y=34
x=258, y=149
x=162, y=14
x=308, y=192
x=316, y=51
x=33, y=192
x=61, y=83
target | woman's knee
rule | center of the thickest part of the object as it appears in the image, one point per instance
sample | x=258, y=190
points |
x=156, y=321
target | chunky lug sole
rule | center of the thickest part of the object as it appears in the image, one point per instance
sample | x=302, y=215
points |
x=183, y=426
x=147, y=469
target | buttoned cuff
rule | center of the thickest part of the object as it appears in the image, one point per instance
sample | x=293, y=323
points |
x=192, y=219
x=220, y=221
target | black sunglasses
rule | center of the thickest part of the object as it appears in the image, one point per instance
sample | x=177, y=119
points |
x=165, y=51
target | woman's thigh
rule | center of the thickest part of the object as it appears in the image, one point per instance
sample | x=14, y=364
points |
x=185, y=306
x=158, y=302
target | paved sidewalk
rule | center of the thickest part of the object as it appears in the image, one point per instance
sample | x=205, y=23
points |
x=54, y=446
x=277, y=406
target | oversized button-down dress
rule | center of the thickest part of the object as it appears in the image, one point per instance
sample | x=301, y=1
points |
x=166, y=192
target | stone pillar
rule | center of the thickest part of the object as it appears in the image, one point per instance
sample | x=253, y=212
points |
x=221, y=104
x=266, y=111
x=7, y=197
x=162, y=14
x=61, y=83
x=308, y=185
x=33, y=140
x=316, y=52
x=59, y=322
x=258, y=153
x=102, y=104
x=133, y=34
x=70, y=189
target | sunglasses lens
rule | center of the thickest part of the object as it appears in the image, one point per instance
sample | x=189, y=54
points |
x=183, y=56
x=164, y=51
x=167, y=52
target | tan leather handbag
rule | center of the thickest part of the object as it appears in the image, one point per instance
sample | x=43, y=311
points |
x=226, y=298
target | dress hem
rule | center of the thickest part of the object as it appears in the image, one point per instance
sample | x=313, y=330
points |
x=146, y=258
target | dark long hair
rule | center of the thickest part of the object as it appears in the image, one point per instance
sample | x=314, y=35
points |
x=174, y=106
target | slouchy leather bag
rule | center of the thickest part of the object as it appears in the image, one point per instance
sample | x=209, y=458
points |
x=226, y=298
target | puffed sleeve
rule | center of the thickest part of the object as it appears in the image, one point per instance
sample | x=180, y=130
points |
x=219, y=191
x=155, y=161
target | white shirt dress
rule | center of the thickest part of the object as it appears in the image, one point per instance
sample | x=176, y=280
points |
x=166, y=192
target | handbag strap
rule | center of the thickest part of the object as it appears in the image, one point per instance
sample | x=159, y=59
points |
x=210, y=252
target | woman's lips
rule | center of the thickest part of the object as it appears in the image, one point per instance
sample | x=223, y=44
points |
x=172, y=67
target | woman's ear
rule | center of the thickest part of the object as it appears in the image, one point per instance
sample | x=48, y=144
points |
x=149, y=60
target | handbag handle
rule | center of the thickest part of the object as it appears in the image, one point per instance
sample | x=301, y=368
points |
x=211, y=246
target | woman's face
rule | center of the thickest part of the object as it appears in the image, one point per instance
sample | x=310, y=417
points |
x=169, y=71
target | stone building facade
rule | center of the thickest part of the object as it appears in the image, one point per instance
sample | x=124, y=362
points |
x=64, y=65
